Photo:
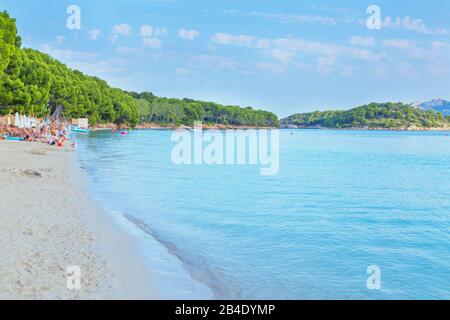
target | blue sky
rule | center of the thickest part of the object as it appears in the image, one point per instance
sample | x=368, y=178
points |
x=283, y=56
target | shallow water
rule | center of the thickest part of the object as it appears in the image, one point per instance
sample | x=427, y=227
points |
x=342, y=201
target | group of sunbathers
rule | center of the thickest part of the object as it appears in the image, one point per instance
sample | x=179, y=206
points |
x=51, y=134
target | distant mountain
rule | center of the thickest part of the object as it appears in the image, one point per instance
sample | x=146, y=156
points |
x=371, y=116
x=438, y=105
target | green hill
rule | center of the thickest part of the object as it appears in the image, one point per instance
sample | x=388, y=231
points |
x=33, y=82
x=372, y=116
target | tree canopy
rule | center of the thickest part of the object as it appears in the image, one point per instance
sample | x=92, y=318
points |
x=185, y=111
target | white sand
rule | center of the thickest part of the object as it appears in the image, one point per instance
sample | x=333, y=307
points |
x=48, y=223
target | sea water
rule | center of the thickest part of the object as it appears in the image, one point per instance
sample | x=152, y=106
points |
x=342, y=204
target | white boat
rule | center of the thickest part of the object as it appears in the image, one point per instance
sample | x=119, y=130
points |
x=79, y=130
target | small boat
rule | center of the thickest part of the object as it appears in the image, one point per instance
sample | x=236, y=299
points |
x=79, y=130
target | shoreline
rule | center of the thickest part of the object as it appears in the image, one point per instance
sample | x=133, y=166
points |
x=154, y=126
x=48, y=223
x=223, y=127
x=170, y=276
x=416, y=129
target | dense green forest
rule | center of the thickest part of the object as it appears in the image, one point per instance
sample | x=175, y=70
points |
x=34, y=83
x=375, y=115
x=176, y=111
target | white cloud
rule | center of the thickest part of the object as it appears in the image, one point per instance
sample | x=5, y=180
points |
x=240, y=40
x=381, y=71
x=408, y=71
x=122, y=29
x=429, y=58
x=362, y=41
x=438, y=69
x=312, y=47
x=347, y=17
x=440, y=49
x=215, y=62
x=94, y=34
x=380, y=57
x=288, y=18
x=330, y=64
x=298, y=18
x=327, y=57
x=438, y=45
x=410, y=24
x=101, y=68
x=323, y=48
x=295, y=45
x=60, y=39
x=129, y=51
x=146, y=31
x=149, y=31
x=228, y=39
x=326, y=65
x=152, y=43
x=409, y=47
x=346, y=71
x=262, y=44
x=188, y=34
x=67, y=54
x=399, y=44
x=281, y=56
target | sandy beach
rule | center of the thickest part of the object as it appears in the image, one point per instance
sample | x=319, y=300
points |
x=49, y=226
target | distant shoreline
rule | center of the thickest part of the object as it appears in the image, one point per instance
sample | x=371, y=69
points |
x=369, y=129
x=155, y=126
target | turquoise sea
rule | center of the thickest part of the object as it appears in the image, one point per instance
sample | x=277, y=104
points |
x=341, y=202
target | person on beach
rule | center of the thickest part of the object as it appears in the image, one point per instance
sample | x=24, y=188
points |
x=52, y=140
x=61, y=140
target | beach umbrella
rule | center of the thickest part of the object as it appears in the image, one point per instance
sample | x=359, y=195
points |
x=16, y=119
x=21, y=122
